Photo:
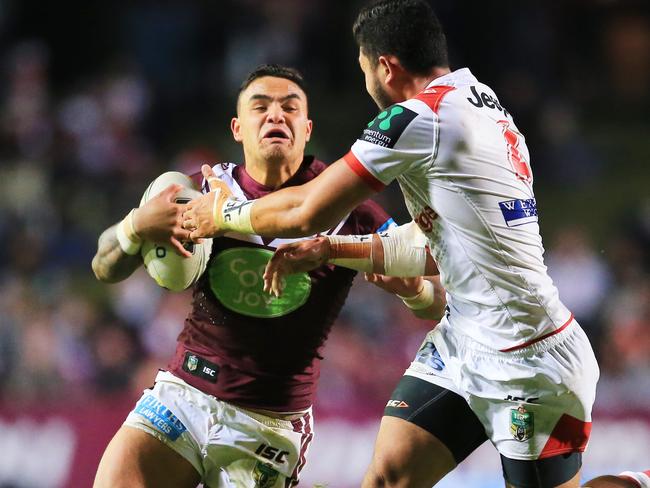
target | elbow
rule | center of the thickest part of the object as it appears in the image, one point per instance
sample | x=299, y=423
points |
x=100, y=272
x=313, y=221
x=96, y=270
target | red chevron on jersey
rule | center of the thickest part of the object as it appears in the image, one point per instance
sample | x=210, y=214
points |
x=433, y=96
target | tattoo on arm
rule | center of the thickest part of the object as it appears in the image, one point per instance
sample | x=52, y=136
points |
x=111, y=264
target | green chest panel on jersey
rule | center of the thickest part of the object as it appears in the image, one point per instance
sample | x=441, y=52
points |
x=236, y=280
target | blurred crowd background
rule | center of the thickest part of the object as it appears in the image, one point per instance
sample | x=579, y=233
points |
x=99, y=98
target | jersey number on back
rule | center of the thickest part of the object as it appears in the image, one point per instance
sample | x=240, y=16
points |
x=515, y=156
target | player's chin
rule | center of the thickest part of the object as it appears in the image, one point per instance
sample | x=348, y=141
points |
x=276, y=152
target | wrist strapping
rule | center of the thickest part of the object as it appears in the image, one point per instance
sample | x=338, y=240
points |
x=354, y=252
x=405, y=251
x=423, y=299
x=234, y=215
x=404, y=248
x=130, y=241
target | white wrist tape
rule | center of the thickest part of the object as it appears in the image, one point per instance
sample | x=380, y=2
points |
x=405, y=251
x=129, y=240
x=422, y=300
x=235, y=215
x=354, y=252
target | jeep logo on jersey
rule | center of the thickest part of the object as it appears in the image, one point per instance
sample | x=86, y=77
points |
x=386, y=129
x=236, y=280
x=484, y=100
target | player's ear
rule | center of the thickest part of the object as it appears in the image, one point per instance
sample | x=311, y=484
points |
x=389, y=68
x=310, y=126
x=383, y=67
x=235, y=127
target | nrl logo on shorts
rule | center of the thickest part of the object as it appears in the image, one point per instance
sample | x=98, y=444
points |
x=192, y=363
x=264, y=475
x=521, y=423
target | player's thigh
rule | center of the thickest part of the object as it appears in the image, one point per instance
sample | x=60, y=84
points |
x=136, y=459
x=610, y=481
x=426, y=431
x=407, y=456
x=561, y=471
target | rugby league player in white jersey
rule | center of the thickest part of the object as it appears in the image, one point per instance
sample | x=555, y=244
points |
x=508, y=362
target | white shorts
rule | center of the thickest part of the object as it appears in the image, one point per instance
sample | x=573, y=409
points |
x=229, y=446
x=534, y=402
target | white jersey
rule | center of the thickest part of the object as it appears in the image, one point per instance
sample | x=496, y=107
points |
x=464, y=169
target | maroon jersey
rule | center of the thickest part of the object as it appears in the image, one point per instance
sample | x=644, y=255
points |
x=249, y=348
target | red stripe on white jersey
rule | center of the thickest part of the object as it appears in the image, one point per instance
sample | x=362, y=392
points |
x=356, y=166
x=540, y=338
x=433, y=96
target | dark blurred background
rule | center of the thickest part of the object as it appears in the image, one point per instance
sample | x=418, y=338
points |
x=98, y=98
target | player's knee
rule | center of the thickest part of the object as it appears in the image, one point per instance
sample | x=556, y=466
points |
x=377, y=477
x=388, y=470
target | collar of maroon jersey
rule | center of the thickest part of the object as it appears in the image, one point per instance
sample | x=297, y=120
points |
x=309, y=168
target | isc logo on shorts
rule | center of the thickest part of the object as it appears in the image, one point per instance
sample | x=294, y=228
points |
x=397, y=404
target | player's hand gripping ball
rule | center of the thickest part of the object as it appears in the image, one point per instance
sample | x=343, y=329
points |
x=163, y=263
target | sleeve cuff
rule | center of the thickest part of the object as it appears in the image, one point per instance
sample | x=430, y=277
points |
x=356, y=166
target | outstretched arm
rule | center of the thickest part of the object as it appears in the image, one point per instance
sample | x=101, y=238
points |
x=401, y=251
x=291, y=212
x=314, y=207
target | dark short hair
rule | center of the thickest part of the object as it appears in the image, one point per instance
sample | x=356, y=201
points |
x=408, y=29
x=276, y=71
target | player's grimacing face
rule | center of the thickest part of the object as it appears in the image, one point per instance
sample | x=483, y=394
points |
x=272, y=122
x=373, y=82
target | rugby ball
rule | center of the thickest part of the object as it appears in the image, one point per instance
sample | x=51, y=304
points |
x=163, y=264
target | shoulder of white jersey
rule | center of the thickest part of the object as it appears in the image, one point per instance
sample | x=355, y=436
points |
x=395, y=139
x=399, y=126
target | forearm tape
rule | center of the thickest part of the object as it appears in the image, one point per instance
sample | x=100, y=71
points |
x=354, y=252
x=404, y=251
